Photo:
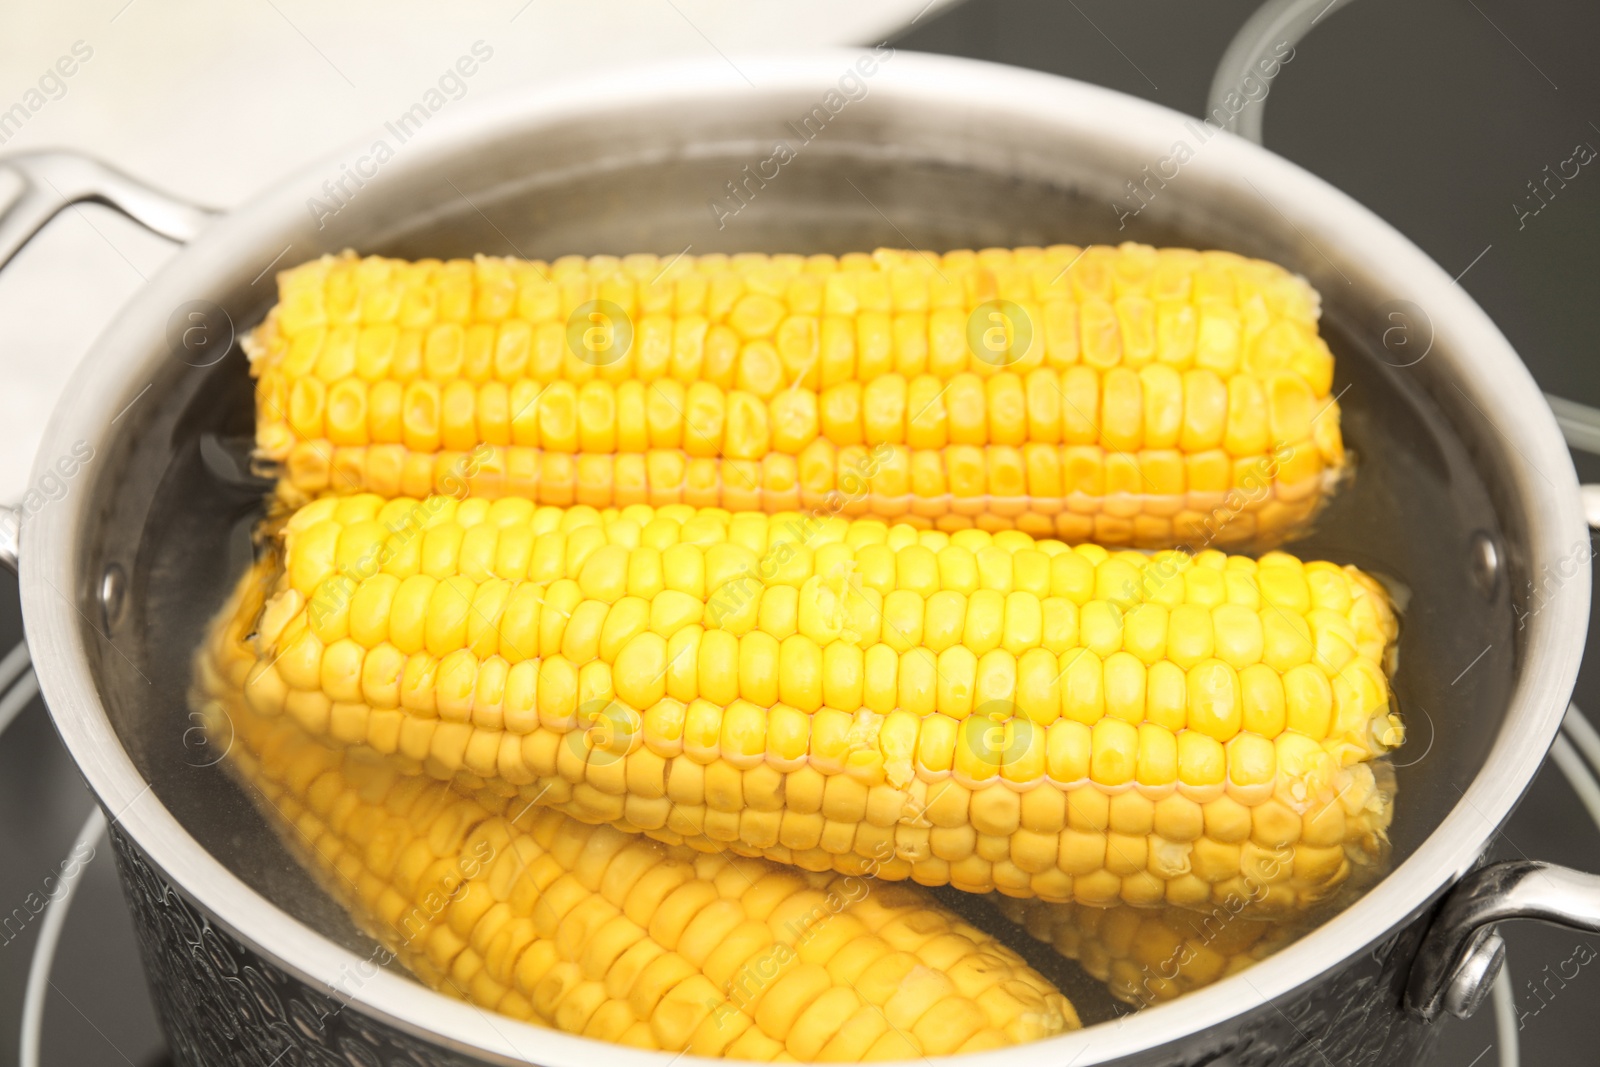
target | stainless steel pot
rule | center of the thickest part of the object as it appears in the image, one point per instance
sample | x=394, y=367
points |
x=1466, y=494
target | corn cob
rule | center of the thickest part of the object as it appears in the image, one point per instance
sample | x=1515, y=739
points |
x=1147, y=956
x=593, y=931
x=980, y=710
x=1126, y=396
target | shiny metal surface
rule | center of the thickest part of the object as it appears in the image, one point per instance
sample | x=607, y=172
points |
x=941, y=153
x=1276, y=25
x=1475, y=976
x=53, y=181
x=1591, y=505
x=1580, y=423
x=47, y=184
x=1516, y=889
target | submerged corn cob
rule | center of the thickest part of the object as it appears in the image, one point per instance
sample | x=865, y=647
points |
x=1150, y=955
x=980, y=710
x=1128, y=396
x=593, y=931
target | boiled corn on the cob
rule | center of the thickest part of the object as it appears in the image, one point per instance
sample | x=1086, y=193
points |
x=981, y=710
x=596, y=932
x=1150, y=955
x=1126, y=396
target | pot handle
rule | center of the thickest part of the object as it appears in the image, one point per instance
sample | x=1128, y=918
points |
x=55, y=180
x=1461, y=952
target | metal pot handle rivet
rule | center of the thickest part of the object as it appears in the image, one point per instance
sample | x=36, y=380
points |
x=113, y=595
x=50, y=183
x=1474, y=979
x=1461, y=953
x=1485, y=563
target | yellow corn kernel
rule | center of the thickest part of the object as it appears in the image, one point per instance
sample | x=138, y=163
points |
x=1157, y=372
x=848, y=678
x=1147, y=956
x=595, y=931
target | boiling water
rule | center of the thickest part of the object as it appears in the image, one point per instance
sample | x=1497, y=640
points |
x=179, y=519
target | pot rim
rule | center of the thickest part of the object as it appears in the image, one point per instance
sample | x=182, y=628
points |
x=1488, y=372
